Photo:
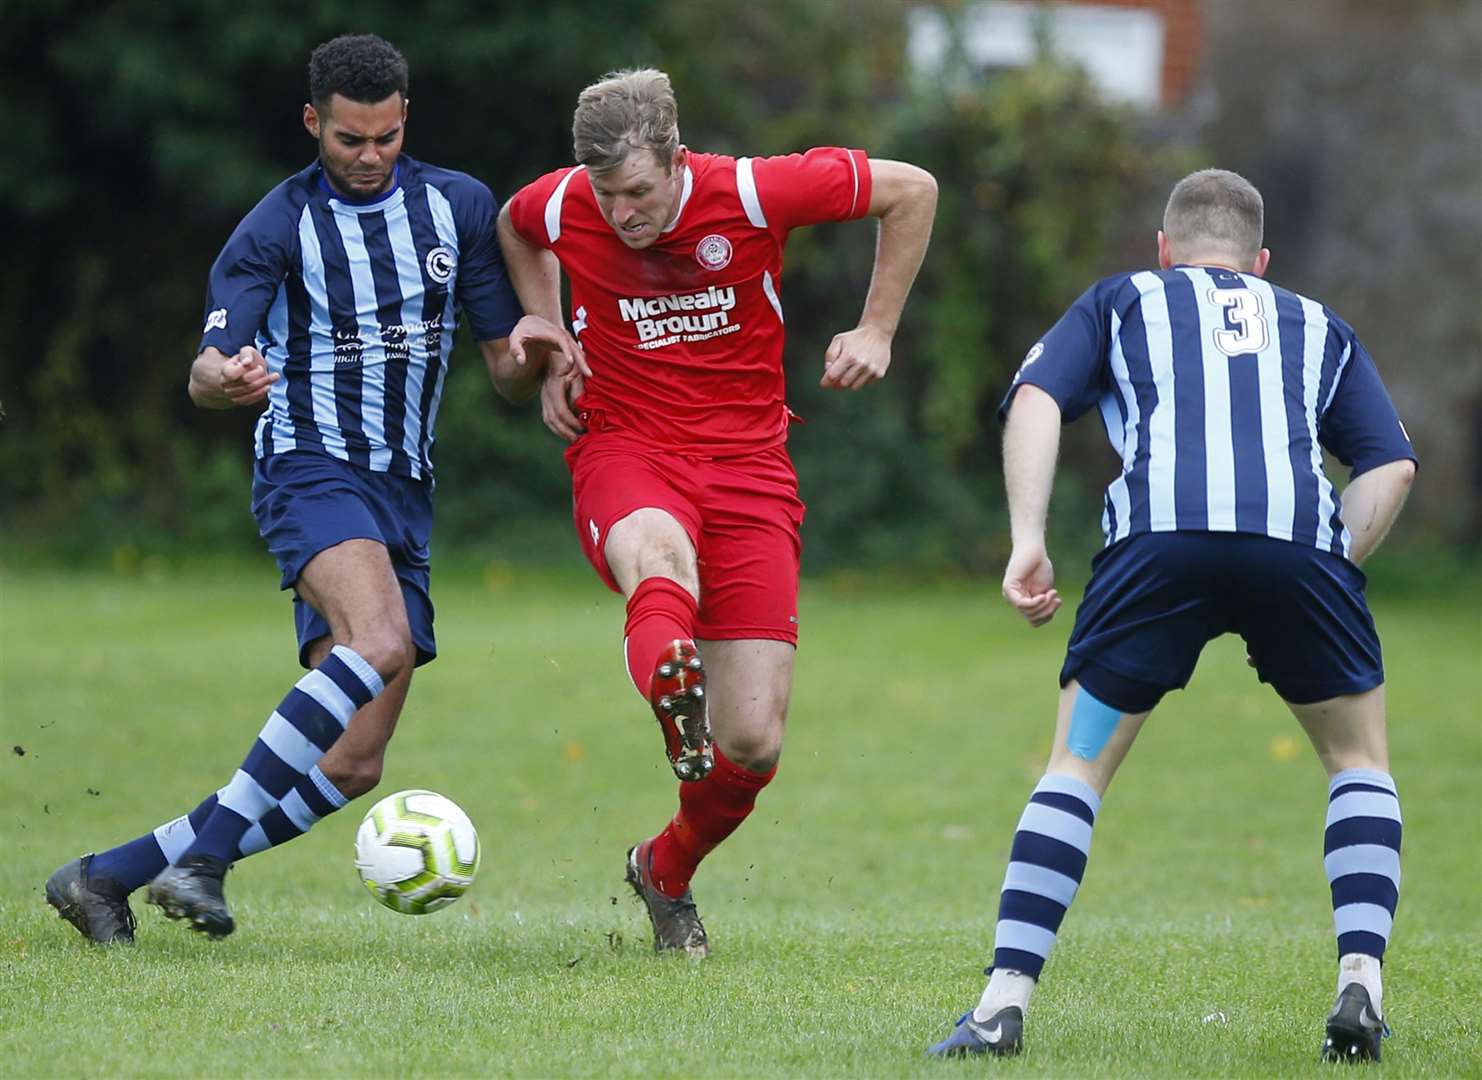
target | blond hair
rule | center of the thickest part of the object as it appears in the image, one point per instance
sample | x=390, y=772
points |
x=1214, y=211
x=622, y=112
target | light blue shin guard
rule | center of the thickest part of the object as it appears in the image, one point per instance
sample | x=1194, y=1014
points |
x=1091, y=725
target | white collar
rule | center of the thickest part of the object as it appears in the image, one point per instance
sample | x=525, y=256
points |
x=684, y=198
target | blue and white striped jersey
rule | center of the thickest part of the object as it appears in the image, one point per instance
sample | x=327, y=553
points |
x=354, y=304
x=1219, y=391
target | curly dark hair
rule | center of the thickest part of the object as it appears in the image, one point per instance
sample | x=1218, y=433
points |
x=362, y=67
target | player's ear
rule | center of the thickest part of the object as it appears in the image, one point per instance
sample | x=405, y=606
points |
x=311, y=120
x=1165, y=251
x=405, y=106
x=677, y=163
x=1263, y=260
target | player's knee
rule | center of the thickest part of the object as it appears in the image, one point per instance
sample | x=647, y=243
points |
x=352, y=771
x=665, y=559
x=361, y=776
x=651, y=543
x=757, y=757
x=389, y=650
x=757, y=748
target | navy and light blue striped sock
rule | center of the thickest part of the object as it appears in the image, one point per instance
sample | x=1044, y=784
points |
x=1045, y=868
x=312, y=798
x=307, y=723
x=139, y=861
x=1361, y=854
x=136, y=863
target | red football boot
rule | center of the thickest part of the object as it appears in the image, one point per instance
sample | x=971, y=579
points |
x=677, y=694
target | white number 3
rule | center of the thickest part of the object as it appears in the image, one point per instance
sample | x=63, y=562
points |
x=1245, y=330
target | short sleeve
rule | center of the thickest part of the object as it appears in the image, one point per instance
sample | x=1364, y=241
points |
x=1360, y=426
x=535, y=210
x=483, y=290
x=823, y=184
x=1069, y=361
x=246, y=276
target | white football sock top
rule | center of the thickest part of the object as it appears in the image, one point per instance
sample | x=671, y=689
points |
x=1005, y=988
x=1364, y=970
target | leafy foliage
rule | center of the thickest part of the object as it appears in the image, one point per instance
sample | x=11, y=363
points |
x=162, y=125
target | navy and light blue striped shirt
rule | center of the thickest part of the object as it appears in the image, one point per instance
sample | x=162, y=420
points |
x=354, y=304
x=1219, y=391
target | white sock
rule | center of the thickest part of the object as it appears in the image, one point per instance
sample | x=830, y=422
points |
x=1005, y=988
x=1364, y=970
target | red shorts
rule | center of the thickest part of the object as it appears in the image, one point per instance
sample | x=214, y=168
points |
x=741, y=513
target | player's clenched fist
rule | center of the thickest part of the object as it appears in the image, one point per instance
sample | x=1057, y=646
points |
x=218, y=381
x=245, y=377
x=856, y=358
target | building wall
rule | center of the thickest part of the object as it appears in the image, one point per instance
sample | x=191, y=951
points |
x=1361, y=122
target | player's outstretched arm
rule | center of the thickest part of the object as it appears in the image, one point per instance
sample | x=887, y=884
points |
x=534, y=272
x=904, y=198
x=1031, y=443
x=536, y=276
x=218, y=381
x=1371, y=502
x=515, y=380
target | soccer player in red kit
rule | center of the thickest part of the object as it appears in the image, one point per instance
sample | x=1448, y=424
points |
x=672, y=395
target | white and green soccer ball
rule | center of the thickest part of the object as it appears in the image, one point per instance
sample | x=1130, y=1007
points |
x=416, y=851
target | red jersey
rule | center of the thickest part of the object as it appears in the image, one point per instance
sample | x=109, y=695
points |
x=684, y=337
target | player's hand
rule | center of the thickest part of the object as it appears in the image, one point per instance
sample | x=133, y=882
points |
x=557, y=393
x=541, y=341
x=856, y=358
x=1029, y=584
x=245, y=377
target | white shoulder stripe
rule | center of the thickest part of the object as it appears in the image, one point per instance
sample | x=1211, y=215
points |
x=854, y=165
x=1338, y=375
x=553, y=206
x=770, y=289
x=746, y=188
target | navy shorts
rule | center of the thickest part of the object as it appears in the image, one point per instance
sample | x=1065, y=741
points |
x=1155, y=599
x=305, y=502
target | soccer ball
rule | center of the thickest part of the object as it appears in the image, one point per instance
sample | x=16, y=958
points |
x=416, y=851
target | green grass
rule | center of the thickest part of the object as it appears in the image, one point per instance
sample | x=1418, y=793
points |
x=850, y=918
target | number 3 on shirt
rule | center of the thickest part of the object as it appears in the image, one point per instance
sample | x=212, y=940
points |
x=1245, y=330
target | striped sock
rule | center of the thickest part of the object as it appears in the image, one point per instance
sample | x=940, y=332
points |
x=307, y=723
x=1361, y=854
x=1045, y=868
x=139, y=861
x=312, y=798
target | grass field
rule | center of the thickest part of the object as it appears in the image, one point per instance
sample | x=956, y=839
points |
x=850, y=919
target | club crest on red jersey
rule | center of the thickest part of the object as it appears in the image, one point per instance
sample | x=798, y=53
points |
x=713, y=252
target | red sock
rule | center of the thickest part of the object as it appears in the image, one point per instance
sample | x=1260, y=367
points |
x=660, y=611
x=709, y=811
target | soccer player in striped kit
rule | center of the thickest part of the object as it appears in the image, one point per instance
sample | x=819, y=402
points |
x=685, y=498
x=334, y=302
x=1219, y=392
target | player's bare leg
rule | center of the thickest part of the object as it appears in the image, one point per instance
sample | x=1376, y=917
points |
x=354, y=587
x=750, y=685
x=1362, y=860
x=653, y=561
x=1087, y=746
x=353, y=764
x=749, y=682
x=1045, y=866
x=1347, y=732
